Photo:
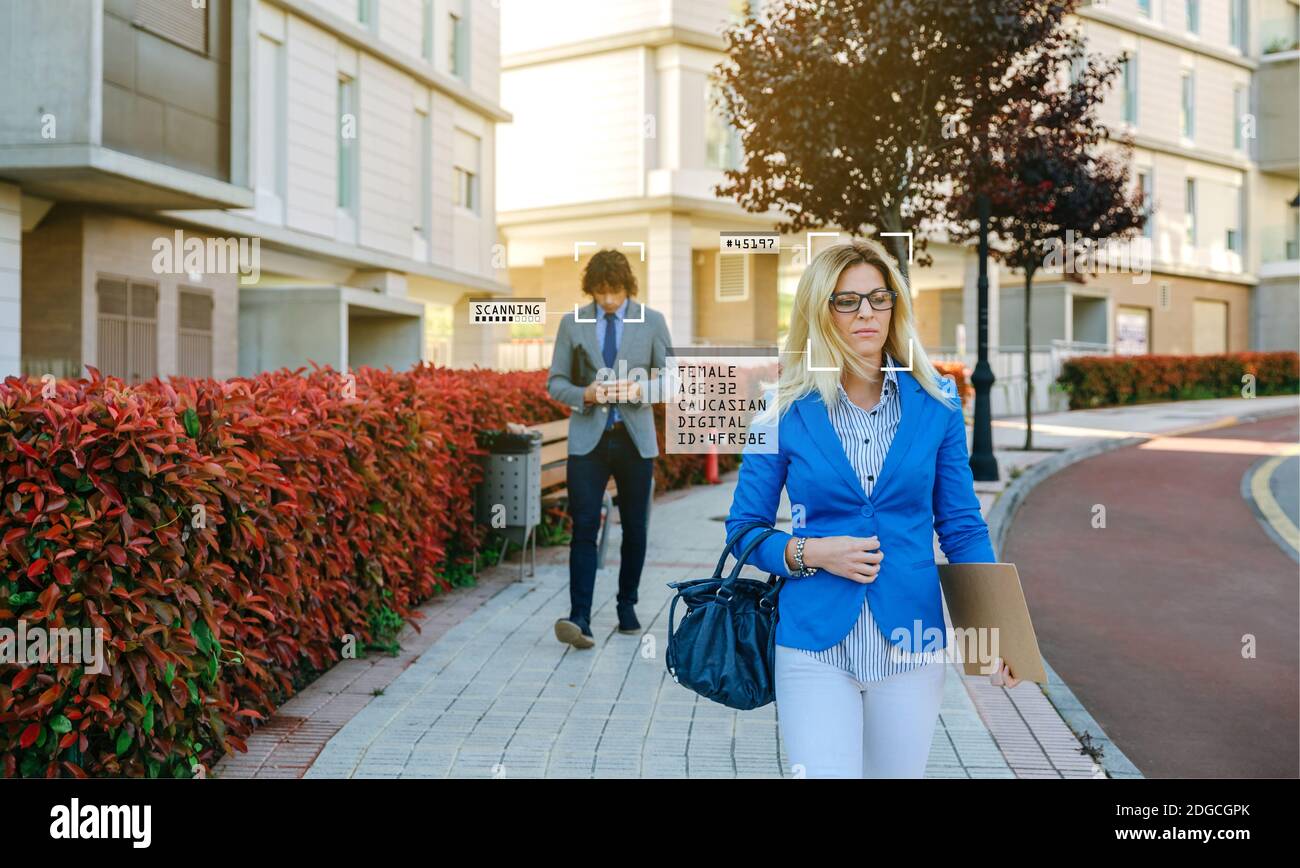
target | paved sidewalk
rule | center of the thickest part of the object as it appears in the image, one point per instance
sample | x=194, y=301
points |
x=498, y=696
x=487, y=691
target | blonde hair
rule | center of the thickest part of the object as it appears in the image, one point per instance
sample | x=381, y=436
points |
x=811, y=319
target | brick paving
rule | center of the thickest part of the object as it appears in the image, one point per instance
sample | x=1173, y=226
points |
x=497, y=696
x=486, y=691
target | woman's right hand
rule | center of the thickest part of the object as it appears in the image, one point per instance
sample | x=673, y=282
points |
x=852, y=557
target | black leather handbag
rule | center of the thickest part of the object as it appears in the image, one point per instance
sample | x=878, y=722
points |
x=725, y=648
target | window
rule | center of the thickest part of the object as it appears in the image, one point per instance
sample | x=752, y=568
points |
x=1237, y=24
x=466, y=169
x=721, y=139
x=1193, y=16
x=1189, y=209
x=1233, y=235
x=1188, y=108
x=1240, y=108
x=271, y=135
x=426, y=31
x=181, y=23
x=194, y=333
x=1144, y=6
x=420, y=215
x=1144, y=184
x=127, y=329
x=1130, y=89
x=456, y=45
x=368, y=13
x=347, y=121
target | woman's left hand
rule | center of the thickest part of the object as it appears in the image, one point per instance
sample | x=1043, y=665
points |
x=1001, y=675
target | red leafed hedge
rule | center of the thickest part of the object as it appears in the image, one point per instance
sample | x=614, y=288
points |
x=1103, y=381
x=225, y=536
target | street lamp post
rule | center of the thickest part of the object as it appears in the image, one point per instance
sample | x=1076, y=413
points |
x=983, y=464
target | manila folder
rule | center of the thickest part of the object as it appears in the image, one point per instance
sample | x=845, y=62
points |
x=990, y=619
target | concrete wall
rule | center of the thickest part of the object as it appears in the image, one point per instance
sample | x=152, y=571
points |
x=1277, y=314
x=124, y=246
x=50, y=67
x=69, y=251
x=1047, y=306
x=287, y=328
x=165, y=102
x=745, y=322
x=1277, y=83
x=53, y=289
x=11, y=270
x=384, y=341
x=1172, y=329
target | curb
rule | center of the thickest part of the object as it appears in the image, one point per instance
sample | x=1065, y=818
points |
x=999, y=519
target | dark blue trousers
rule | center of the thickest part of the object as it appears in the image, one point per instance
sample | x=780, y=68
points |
x=587, y=476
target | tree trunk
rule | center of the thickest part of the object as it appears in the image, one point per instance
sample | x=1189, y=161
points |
x=1029, y=365
x=892, y=220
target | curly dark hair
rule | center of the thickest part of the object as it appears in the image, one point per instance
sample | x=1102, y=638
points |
x=608, y=267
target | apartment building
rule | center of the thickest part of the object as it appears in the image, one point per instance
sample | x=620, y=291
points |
x=232, y=186
x=615, y=143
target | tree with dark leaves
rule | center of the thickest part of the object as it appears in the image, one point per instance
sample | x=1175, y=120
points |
x=1057, y=183
x=850, y=112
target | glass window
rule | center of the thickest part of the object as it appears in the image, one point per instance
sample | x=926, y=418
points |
x=1188, y=108
x=1240, y=108
x=465, y=167
x=426, y=31
x=1131, y=89
x=1189, y=206
x=1237, y=24
x=347, y=122
x=455, y=44
x=1144, y=184
x=721, y=139
x=1193, y=16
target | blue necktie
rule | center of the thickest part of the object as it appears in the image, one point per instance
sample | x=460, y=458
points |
x=610, y=353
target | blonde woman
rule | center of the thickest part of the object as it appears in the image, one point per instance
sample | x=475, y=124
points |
x=873, y=457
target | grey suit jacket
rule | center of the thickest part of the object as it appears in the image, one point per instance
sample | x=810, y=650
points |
x=644, y=348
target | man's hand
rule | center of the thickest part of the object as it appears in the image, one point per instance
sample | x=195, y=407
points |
x=613, y=392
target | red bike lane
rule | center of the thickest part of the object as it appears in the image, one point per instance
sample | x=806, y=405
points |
x=1144, y=618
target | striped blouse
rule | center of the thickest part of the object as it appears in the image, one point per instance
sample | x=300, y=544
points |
x=865, y=652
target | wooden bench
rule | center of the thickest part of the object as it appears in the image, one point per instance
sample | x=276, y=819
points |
x=555, y=457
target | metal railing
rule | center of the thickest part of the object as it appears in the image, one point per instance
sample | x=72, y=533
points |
x=1008, y=364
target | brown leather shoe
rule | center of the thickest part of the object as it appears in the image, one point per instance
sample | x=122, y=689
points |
x=571, y=634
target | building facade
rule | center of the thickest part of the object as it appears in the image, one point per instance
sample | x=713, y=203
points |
x=242, y=185
x=614, y=144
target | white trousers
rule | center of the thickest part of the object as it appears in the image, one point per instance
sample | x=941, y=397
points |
x=835, y=726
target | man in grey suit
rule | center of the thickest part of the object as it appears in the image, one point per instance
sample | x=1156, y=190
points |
x=604, y=361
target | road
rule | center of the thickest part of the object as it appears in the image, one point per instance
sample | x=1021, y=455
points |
x=1146, y=617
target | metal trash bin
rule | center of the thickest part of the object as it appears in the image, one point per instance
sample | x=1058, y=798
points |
x=511, y=491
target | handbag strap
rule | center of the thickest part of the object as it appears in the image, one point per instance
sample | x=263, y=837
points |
x=731, y=544
x=669, y=657
x=743, y=557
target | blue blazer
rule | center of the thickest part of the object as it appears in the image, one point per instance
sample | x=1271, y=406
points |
x=925, y=485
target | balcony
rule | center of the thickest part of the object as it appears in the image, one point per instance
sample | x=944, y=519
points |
x=1277, y=82
x=131, y=111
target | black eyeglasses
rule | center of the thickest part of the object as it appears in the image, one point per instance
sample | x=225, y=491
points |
x=848, y=302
